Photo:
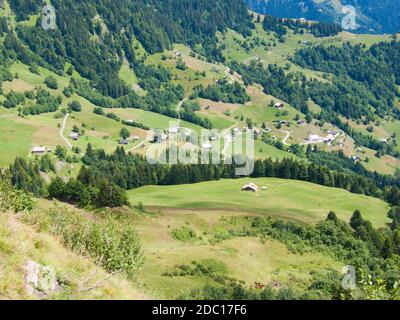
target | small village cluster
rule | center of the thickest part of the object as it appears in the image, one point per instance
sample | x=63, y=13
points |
x=329, y=139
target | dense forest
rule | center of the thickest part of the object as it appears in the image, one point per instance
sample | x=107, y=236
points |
x=318, y=29
x=101, y=33
x=222, y=91
x=376, y=69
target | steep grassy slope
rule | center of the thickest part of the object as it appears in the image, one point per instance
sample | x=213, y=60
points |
x=246, y=259
x=20, y=243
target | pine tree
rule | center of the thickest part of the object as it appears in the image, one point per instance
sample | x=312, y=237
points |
x=356, y=220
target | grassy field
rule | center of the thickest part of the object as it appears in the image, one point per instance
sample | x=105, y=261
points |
x=29, y=80
x=259, y=111
x=384, y=165
x=218, y=121
x=152, y=120
x=190, y=77
x=247, y=259
x=15, y=140
x=296, y=200
x=262, y=150
x=394, y=128
x=129, y=76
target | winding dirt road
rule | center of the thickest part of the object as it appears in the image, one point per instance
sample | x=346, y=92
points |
x=62, y=130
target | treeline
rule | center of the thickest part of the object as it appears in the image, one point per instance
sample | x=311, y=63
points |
x=120, y=171
x=337, y=161
x=40, y=102
x=318, y=29
x=26, y=176
x=222, y=91
x=131, y=123
x=103, y=194
x=5, y=75
x=129, y=171
x=187, y=113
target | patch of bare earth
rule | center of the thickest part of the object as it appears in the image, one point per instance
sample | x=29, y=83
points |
x=17, y=85
x=219, y=107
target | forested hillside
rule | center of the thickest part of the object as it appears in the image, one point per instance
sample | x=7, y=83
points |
x=375, y=16
x=104, y=151
x=363, y=85
x=377, y=69
x=95, y=36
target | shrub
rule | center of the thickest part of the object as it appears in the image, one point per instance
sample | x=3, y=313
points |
x=51, y=82
x=184, y=234
x=75, y=106
x=99, y=111
x=114, y=245
x=12, y=199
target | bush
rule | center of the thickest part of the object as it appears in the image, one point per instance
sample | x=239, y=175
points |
x=51, y=82
x=99, y=111
x=12, y=199
x=75, y=106
x=184, y=234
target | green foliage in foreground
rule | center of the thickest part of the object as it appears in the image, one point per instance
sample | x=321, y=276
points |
x=113, y=245
x=110, y=243
x=12, y=199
